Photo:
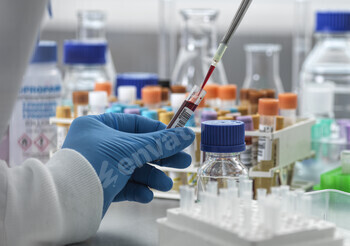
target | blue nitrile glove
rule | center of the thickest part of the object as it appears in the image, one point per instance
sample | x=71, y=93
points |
x=119, y=146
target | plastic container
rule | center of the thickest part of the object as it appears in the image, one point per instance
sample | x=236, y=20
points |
x=268, y=110
x=31, y=134
x=329, y=61
x=98, y=102
x=222, y=142
x=288, y=104
x=139, y=80
x=227, y=96
x=85, y=65
x=152, y=96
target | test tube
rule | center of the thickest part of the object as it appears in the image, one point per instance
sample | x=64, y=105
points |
x=212, y=95
x=151, y=96
x=127, y=94
x=187, y=108
x=80, y=103
x=98, y=102
x=268, y=110
x=62, y=112
x=165, y=96
x=279, y=123
x=227, y=96
x=288, y=103
x=254, y=97
x=244, y=97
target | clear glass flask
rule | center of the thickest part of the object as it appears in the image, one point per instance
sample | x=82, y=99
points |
x=222, y=141
x=262, y=67
x=92, y=27
x=198, y=45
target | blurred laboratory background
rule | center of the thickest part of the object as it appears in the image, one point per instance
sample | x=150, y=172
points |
x=132, y=29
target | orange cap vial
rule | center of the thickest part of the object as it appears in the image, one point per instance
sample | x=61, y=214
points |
x=288, y=100
x=212, y=91
x=151, y=94
x=227, y=92
x=104, y=86
x=268, y=106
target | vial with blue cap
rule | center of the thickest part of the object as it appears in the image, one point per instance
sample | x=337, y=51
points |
x=222, y=141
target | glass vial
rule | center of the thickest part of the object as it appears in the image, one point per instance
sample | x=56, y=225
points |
x=262, y=67
x=288, y=103
x=198, y=45
x=222, y=143
x=268, y=110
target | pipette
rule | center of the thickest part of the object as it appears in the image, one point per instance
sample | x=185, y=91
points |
x=196, y=95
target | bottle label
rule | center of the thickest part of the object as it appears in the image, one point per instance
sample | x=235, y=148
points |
x=61, y=135
x=184, y=116
x=246, y=156
x=31, y=134
x=265, y=144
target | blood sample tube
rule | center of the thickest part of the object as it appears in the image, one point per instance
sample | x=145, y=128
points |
x=268, y=110
x=288, y=103
x=151, y=96
x=187, y=108
x=227, y=96
x=212, y=95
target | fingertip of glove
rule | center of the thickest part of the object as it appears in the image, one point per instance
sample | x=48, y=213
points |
x=145, y=197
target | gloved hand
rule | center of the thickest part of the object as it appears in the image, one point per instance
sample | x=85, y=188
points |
x=118, y=146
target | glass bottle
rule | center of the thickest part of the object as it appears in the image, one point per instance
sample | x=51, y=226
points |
x=327, y=66
x=85, y=65
x=92, y=27
x=31, y=134
x=198, y=45
x=262, y=71
x=222, y=143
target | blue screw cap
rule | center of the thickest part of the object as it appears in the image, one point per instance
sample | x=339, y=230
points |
x=223, y=136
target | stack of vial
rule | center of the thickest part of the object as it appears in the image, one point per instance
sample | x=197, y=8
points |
x=232, y=217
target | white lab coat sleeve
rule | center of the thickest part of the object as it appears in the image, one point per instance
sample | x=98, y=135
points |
x=53, y=204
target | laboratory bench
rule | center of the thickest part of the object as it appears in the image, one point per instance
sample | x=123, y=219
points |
x=131, y=224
